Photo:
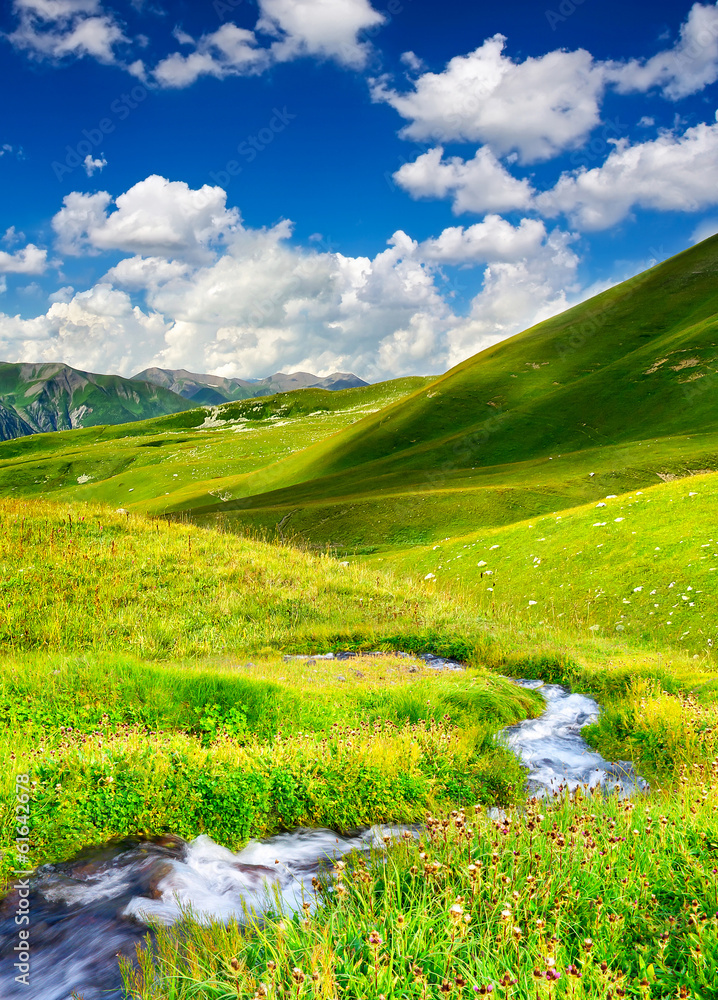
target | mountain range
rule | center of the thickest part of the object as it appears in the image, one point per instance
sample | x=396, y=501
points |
x=35, y=398
x=210, y=390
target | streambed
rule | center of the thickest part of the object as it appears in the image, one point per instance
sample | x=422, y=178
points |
x=86, y=911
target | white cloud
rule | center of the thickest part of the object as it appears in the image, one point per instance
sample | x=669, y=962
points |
x=98, y=330
x=493, y=239
x=29, y=260
x=155, y=217
x=254, y=301
x=63, y=294
x=479, y=185
x=686, y=68
x=537, y=108
x=325, y=28
x=91, y=165
x=229, y=51
x=670, y=173
x=56, y=29
x=12, y=236
x=412, y=61
x=146, y=272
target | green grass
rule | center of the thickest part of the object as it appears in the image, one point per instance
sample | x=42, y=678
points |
x=644, y=566
x=126, y=645
x=179, y=461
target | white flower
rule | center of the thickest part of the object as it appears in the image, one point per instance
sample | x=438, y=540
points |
x=637, y=590
x=692, y=494
x=602, y=504
x=482, y=563
x=612, y=496
x=619, y=519
x=493, y=547
x=600, y=524
x=594, y=627
x=532, y=602
x=429, y=576
x=488, y=572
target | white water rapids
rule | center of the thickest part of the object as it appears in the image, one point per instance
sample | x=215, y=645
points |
x=86, y=911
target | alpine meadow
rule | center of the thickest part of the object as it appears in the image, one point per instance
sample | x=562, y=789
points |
x=397, y=681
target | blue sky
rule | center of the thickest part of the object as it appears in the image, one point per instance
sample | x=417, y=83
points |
x=241, y=187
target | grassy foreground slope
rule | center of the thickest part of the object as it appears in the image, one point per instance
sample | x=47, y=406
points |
x=127, y=690
x=633, y=368
x=175, y=462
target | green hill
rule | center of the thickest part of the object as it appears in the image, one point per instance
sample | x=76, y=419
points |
x=53, y=397
x=622, y=386
x=183, y=459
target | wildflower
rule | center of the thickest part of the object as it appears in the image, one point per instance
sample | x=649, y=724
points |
x=456, y=912
x=374, y=939
x=298, y=976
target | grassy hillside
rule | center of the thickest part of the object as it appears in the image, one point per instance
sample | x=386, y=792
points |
x=633, y=368
x=642, y=566
x=178, y=461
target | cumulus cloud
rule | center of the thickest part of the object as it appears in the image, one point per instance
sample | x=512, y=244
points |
x=328, y=29
x=671, y=173
x=229, y=51
x=689, y=66
x=479, y=185
x=98, y=330
x=255, y=301
x=155, y=217
x=28, y=260
x=325, y=29
x=537, y=107
x=92, y=165
x=59, y=29
x=493, y=239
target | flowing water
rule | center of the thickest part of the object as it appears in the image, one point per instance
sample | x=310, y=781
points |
x=86, y=911
x=557, y=756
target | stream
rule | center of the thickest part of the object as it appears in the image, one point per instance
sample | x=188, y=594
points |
x=86, y=911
